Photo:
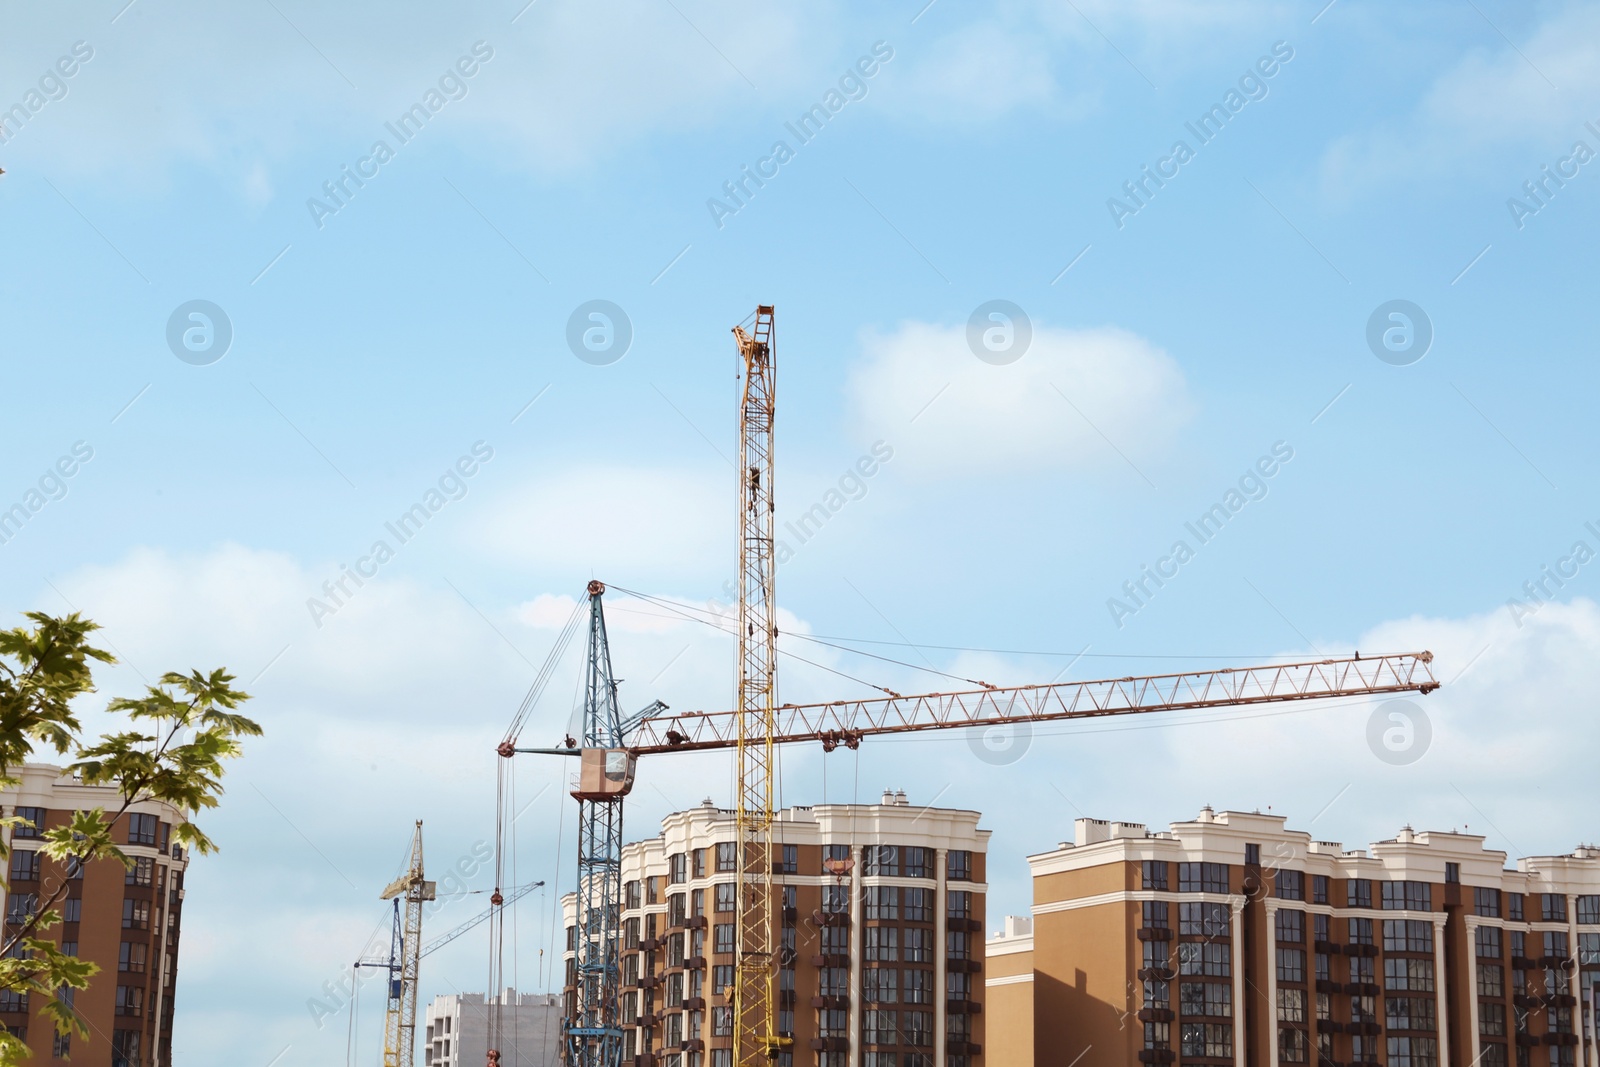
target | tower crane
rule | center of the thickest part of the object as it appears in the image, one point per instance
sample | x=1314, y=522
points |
x=400, y=1016
x=758, y=723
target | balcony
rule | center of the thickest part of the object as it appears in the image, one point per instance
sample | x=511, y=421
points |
x=1327, y=948
x=695, y=963
x=1561, y=1039
x=1156, y=1015
x=650, y=981
x=1156, y=1055
x=831, y=959
x=693, y=1044
x=694, y=1003
x=1370, y=1029
x=961, y=965
x=830, y=918
x=1361, y=950
x=830, y=1044
x=651, y=944
x=1157, y=974
x=1153, y=933
x=833, y=1003
x=963, y=1007
x=646, y=1021
x=648, y=1059
x=1362, y=989
x=1325, y=985
x=963, y=1048
x=785, y=998
x=790, y=914
x=695, y=922
x=963, y=924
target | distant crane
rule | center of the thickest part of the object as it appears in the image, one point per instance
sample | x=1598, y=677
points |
x=758, y=723
x=400, y=1016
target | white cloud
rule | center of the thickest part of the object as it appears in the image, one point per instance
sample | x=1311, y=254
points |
x=1489, y=100
x=943, y=410
x=979, y=72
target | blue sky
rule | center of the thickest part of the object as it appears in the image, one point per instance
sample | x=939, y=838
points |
x=375, y=346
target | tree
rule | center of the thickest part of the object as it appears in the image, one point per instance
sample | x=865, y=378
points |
x=179, y=733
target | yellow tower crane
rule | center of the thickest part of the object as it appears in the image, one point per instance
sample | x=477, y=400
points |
x=405, y=952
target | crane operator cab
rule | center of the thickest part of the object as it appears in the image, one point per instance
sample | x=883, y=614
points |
x=605, y=774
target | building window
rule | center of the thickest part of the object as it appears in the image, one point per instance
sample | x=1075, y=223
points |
x=835, y=899
x=1492, y=1019
x=1153, y=874
x=883, y=944
x=721, y=978
x=721, y=1022
x=1552, y=907
x=1487, y=940
x=130, y=1000
x=20, y=907
x=136, y=915
x=880, y=985
x=1291, y=1005
x=630, y=893
x=143, y=872
x=142, y=829
x=957, y=945
x=1493, y=1055
x=918, y=945
x=1155, y=914
x=1205, y=918
x=1293, y=1045
x=1213, y=1040
x=833, y=982
x=1319, y=889
x=1360, y=931
x=1556, y=944
x=678, y=868
x=1407, y=896
x=883, y=901
x=1252, y=855
x=1413, y=1052
x=725, y=896
x=1204, y=958
x=958, y=904
x=880, y=1027
x=791, y=859
x=1358, y=893
x=1588, y=951
x=32, y=824
x=1486, y=902
x=1409, y=1013
x=958, y=864
x=1491, y=981
x=1407, y=935
x=1362, y=970
x=880, y=861
x=24, y=865
x=919, y=905
x=916, y=862
x=1291, y=885
x=1589, y=910
x=1202, y=878
x=918, y=986
x=1206, y=998
x=723, y=940
x=1408, y=975
x=1514, y=906
x=130, y=957
x=1291, y=965
x=61, y=1046
x=1292, y=927
x=727, y=856
x=11, y=1000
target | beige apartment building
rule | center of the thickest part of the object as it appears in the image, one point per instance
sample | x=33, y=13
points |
x=126, y=920
x=881, y=919
x=1232, y=941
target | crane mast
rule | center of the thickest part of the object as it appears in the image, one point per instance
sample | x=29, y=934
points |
x=412, y=890
x=755, y=1036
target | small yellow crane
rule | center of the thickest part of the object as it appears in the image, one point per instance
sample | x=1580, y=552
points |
x=405, y=952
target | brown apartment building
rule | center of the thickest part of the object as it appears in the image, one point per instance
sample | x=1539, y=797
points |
x=882, y=937
x=127, y=921
x=1231, y=941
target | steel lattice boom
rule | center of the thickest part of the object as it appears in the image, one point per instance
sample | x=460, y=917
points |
x=847, y=721
x=400, y=1016
x=755, y=1037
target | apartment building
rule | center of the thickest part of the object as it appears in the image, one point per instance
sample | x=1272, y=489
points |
x=881, y=913
x=1232, y=940
x=456, y=1031
x=127, y=921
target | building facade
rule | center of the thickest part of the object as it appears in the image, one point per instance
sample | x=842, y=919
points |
x=127, y=921
x=457, y=1030
x=881, y=914
x=1231, y=940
